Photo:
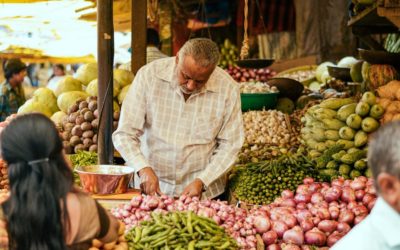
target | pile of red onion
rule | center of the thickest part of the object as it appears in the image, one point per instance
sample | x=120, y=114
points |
x=318, y=214
x=249, y=75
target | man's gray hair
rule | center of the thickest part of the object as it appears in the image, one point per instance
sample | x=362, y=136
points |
x=203, y=50
x=384, y=151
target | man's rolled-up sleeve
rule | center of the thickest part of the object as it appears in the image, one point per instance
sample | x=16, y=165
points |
x=131, y=124
x=229, y=142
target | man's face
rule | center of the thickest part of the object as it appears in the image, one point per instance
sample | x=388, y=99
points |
x=191, y=77
x=389, y=189
x=19, y=77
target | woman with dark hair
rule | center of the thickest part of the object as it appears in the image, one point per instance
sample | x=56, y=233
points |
x=44, y=210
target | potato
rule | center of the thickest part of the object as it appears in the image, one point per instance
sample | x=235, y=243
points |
x=88, y=134
x=73, y=108
x=96, y=113
x=89, y=116
x=97, y=243
x=115, y=125
x=72, y=117
x=93, y=148
x=86, y=126
x=92, y=105
x=116, y=115
x=84, y=110
x=75, y=140
x=66, y=135
x=83, y=104
x=76, y=130
x=79, y=120
x=94, y=138
x=68, y=126
x=95, y=123
x=109, y=246
x=79, y=147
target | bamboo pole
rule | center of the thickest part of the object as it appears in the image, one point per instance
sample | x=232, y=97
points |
x=139, y=26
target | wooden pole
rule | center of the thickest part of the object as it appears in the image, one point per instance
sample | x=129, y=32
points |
x=105, y=58
x=139, y=26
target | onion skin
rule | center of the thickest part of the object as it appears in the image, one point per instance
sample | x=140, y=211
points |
x=327, y=226
x=333, y=194
x=360, y=195
x=269, y=237
x=308, y=180
x=346, y=216
x=359, y=218
x=334, y=212
x=302, y=198
x=273, y=247
x=343, y=227
x=289, y=247
x=294, y=236
x=316, y=198
x=307, y=224
x=261, y=224
x=287, y=194
x=367, y=199
x=333, y=238
x=348, y=194
x=315, y=237
x=279, y=227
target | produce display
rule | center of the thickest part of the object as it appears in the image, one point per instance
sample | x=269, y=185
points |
x=314, y=215
x=379, y=75
x=337, y=130
x=261, y=182
x=82, y=158
x=179, y=230
x=119, y=244
x=250, y=75
x=256, y=87
x=303, y=74
x=392, y=43
x=79, y=127
x=4, y=182
x=389, y=99
x=229, y=53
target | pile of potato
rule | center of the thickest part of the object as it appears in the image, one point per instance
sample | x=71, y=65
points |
x=4, y=182
x=79, y=127
x=119, y=244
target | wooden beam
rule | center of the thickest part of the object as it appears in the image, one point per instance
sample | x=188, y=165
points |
x=105, y=54
x=139, y=26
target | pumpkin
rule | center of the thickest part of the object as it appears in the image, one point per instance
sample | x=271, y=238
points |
x=381, y=74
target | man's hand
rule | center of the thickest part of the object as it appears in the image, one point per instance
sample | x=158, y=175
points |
x=149, y=182
x=194, y=189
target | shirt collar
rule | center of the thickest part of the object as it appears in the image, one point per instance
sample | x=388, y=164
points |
x=169, y=75
x=386, y=220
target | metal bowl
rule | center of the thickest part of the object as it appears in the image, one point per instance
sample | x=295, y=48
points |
x=287, y=87
x=105, y=179
x=340, y=73
x=254, y=63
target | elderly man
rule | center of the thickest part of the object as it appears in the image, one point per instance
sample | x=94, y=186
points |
x=12, y=94
x=190, y=114
x=381, y=229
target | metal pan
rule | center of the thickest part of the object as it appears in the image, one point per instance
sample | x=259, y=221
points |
x=287, y=87
x=379, y=57
x=340, y=73
x=254, y=63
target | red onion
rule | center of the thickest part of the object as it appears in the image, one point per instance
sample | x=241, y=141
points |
x=273, y=247
x=348, y=194
x=360, y=194
x=323, y=213
x=289, y=247
x=316, y=220
x=303, y=189
x=346, y=216
x=307, y=224
x=302, y=198
x=333, y=238
x=351, y=205
x=370, y=190
x=288, y=203
x=333, y=194
x=301, y=205
x=279, y=227
x=287, y=194
x=371, y=204
x=316, y=198
x=327, y=226
x=343, y=227
x=308, y=180
x=261, y=224
x=269, y=237
x=334, y=212
x=359, y=218
x=338, y=182
x=315, y=187
x=334, y=204
x=362, y=178
x=357, y=185
x=294, y=235
x=206, y=212
x=315, y=237
x=360, y=210
x=303, y=214
x=347, y=183
x=367, y=198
